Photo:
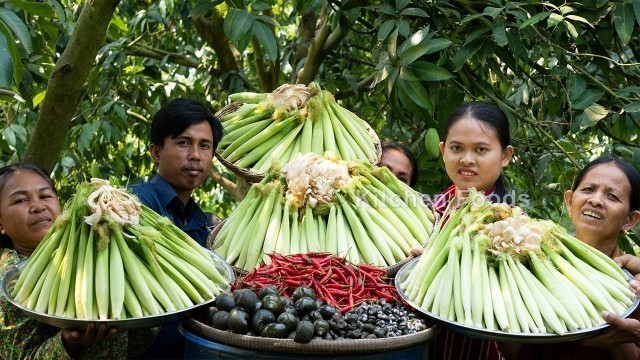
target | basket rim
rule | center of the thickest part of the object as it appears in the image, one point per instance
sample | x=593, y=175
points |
x=316, y=347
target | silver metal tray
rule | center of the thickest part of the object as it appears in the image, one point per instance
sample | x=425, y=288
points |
x=125, y=324
x=498, y=335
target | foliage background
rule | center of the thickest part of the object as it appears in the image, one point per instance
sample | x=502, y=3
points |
x=566, y=74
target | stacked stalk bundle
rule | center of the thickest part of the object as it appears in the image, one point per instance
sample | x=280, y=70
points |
x=492, y=267
x=323, y=204
x=276, y=127
x=109, y=257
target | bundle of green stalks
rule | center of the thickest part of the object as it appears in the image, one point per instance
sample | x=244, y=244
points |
x=323, y=204
x=109, y=257
x=276, y=127
x=492, y=267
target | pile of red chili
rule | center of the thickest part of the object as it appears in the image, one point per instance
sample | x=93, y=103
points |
x=334, y=279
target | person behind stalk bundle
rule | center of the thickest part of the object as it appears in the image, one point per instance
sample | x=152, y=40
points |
x=28, y=208
x=400, y=161
x=184, y=136
x=603, y=202
x=475, y=148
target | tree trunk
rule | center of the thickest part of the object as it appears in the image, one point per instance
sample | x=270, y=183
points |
x=212, y=32
x=67, y=80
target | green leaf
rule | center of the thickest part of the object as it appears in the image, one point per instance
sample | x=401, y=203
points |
x=554, y=19
x=385, y=9
x=417, y=93
x=534, y=19
x=13, y=50
x=429, y=72
x=406, y=102
x=34, y=8
x=592, y=115
x=571, y=29
x=9, y=136
x=228, y=21
x=267, y=20
x=244, y=40
x=392, y=46
x=580, y=19
x=413, y=53
x=6, y=63
x=632, y=107
x=577, y=85
x=468, y=18
x=492, y=11
x=625, y=245
x=403, y=27
x=18, y=27
x=242, y=22
x=499, y=32
x=636, y=9
x=203, y=6
x=406, y=74
x=436, y=45
x=466, y=52
x=393, y=75
x=385, y=29
x=260, y=6
x=623, y=21
x=587, y=98
x=267, y=39
x=516, y=47
x=39, y=97
x=381, y=75
x=414, y=12
x=117, y=21
x=401, y=4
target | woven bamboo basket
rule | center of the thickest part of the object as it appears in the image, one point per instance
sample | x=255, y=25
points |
x=253, y=177
x=315, y=347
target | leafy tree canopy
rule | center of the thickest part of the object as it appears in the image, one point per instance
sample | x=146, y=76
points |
x=566, y=74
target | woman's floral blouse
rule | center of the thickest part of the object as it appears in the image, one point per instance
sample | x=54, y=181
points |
x=22, y=337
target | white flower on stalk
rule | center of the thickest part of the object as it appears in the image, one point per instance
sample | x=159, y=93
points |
x=118, y=204
x=514, y=234
x=313, y=178
x=291, y=97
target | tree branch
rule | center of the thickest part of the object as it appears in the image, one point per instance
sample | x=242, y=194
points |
x=616, y=138
x=212, y=32
x=341, y=94
x=67, y=81
x=314, y=56
x=238, y=191
x=263, y=78
x=146, y=51
x=11, y=94
x=334, y=39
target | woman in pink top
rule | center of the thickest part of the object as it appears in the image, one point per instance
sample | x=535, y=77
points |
x=476, y=147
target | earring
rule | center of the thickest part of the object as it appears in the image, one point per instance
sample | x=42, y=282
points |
x=3, y=232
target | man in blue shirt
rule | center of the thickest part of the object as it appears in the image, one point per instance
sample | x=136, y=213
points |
x=184, y=135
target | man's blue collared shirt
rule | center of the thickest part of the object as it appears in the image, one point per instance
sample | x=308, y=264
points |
x=160, y=196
